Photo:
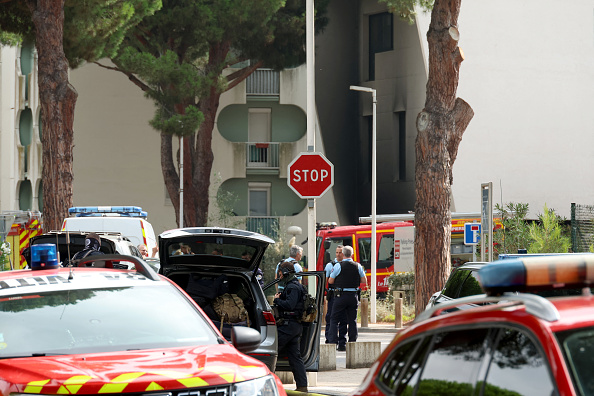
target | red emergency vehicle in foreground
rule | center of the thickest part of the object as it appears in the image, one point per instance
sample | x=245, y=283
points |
x=88, y=330
x=501, y=343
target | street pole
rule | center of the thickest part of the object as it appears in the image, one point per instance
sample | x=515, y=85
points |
x=373, y=201
x=181, y=182
x=311, y=125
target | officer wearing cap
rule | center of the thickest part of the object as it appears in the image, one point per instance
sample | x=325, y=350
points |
x=346, y=278
x=290, y=304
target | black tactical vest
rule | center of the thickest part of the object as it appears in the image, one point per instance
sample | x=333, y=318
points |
x=349, y=275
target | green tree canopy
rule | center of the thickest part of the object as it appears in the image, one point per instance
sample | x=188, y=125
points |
x=66, y=33
x=189, y=53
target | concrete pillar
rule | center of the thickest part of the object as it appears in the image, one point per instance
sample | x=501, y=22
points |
x=362, y=354
x=364, y=312
x=327, y=357
x=286, y=377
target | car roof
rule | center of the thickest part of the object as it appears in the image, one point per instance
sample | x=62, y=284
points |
x=78, y=277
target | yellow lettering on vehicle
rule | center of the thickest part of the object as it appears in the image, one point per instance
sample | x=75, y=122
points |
x=35, y=386
x=73, y=384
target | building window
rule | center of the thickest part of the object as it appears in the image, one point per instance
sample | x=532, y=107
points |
x=381, y=37
x=259, y=199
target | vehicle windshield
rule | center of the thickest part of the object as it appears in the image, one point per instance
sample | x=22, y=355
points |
x=99, y=320
x=578, y=349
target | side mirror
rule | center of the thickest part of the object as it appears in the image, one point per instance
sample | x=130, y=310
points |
x=327, y=244
x=245, y=339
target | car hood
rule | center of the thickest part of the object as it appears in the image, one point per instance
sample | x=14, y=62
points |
x=132, y=371
x=204, y=240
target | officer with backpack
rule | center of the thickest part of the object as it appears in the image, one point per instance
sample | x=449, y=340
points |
x=346, y=278
x=290, y=304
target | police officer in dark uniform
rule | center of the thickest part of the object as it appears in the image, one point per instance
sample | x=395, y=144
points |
x=290, y=305
x=346, y=278
x=330, y=294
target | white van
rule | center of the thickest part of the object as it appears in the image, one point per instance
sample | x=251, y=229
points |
x=130, y=221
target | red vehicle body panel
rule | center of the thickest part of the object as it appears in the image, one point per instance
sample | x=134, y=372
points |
x=576, y=312
x=124, y=372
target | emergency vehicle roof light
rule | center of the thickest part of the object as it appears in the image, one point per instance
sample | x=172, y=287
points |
x=44, y=256
x=537, y=273
x=124, y=211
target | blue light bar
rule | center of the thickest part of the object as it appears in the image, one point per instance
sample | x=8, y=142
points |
x=128, y=211
x=538, y=273
x=44, y=256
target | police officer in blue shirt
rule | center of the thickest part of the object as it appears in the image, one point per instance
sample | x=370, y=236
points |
x=346, y=278
x=295, y=254
x=330, y=294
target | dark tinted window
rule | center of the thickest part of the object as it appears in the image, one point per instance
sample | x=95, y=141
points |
x=365, y=252
x=453, y=363
x=578, y=348
x=410, y=376
x=385, y=253
x=455, y=282
x=517, y=365
x=394, y=365
x=471, y=285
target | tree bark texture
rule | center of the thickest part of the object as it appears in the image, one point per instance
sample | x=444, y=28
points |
x=58, y=99
x=440, y=127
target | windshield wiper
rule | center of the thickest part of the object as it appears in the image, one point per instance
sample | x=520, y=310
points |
x=32, y=355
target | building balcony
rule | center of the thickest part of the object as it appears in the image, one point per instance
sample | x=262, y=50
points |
x=263, y=155
x=266, y=225
x=263, y=82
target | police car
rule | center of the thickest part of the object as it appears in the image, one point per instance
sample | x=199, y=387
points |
x=519, y=344
x=91, y=329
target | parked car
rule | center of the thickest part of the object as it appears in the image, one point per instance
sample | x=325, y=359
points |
x=71, y=242
x=88, y=330
x=210, y=261
x=516, y=343
x=462, y=282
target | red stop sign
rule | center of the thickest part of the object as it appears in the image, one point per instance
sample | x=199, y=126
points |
x=310, y=175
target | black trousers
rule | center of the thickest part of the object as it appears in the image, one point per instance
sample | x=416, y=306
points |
x=330, y=299
x=289, y=343
x=344, y=315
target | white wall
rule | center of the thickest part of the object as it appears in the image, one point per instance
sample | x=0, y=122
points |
x=528, y=74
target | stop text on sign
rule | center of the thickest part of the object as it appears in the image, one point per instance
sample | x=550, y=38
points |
x=314, y=175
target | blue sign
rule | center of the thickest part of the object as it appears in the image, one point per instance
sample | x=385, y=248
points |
x=472, y=233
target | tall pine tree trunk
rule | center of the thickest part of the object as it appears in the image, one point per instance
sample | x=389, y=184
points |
x=440, y=127
x=57, y=98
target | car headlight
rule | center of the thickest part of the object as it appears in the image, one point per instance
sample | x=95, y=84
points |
x=263, y=386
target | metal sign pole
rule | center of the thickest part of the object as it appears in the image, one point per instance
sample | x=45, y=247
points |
x=311, y=130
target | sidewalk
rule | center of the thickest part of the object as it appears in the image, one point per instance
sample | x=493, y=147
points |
x=343, y=381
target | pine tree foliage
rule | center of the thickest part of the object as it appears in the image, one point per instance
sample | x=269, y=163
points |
x=548, y=236
x=66, y=33
x=405, y=9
